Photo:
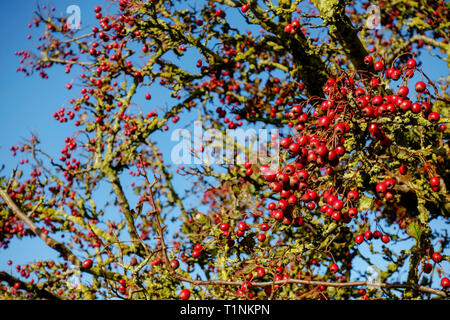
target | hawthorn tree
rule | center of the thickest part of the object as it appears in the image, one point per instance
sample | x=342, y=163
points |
x=361, y=172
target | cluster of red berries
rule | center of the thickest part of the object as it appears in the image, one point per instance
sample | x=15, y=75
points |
x=369, y=235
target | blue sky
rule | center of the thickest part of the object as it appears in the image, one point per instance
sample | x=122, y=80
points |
x=27, y=103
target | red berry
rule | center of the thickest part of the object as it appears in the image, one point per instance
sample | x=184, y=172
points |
x=445, y=282
x=378, y=66
x=334, y=268
x=196, y=253
x=336, y=215
x=376, y=234
x=244, y=8
x=242, y=226
x=395, y=74
x=434, y=117
x=324, y=122
x=385, y=238
x=390, y=183
x=435, y=181
x=224, y=226
x=294, y=148
x=285, y=143
x=338, y=205
x=437, y=257
x=220, y=13
x=374, y=83
x=425, y=107
x=403, y=91
x=359, y=239
x=353, y=195
x=420, y=86
x=427, y=267
x=368, y=60
x=185, y=294
x=264, y=226
x=381, y=188
x=174, y=264
x=409, y=73
x=261, y=237
x=87, y=264
x=411, y=64
x=377, y=100
x=403, y=169
x=288, y=28
x=352, y=212
x=278, y=215
x=261, y=272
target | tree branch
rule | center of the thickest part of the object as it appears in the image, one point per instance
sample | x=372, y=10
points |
x=37, y=289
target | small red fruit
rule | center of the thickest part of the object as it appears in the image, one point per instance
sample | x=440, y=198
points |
x=411, y=64
x=403, y=169
x=220, y=13
x=334, y=268
x=368, y=60
x=435, y=181
x=376, y=234
x=403, y=91
x=378, y=66
x=87, y=264
x=264, y=226
x=353, y=195
x=437, y=257
x=445, y=282
x=336, y=215
x=381, y=188
x=294, y=148
x=285, y=143
x=427, y=267
x=244, y=8
x=359, y=239
x=185, y=294
x=420, y=86
x=261, y=272
x=324, y=122
x=352, y=212
x=174, y=264
x=242, y=226
x=434, y=117
x=196, y=253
